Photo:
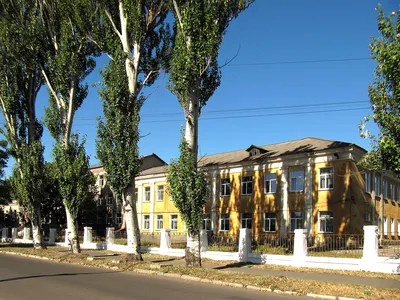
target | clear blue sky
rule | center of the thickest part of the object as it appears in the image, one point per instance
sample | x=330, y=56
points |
x=270, y=32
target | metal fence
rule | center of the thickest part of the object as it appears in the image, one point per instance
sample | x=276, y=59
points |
x=273, y=243
x=336, y=245
x=389, y=248
x=178, y=240
x=226, y=243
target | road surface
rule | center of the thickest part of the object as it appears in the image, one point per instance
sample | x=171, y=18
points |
x=26, y=278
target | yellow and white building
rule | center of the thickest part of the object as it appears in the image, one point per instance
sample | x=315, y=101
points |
x=310, y=183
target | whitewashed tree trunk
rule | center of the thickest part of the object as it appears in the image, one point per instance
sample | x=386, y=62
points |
x=38, y=242
x=192, y=255
x=72, y=232
x=132, y=224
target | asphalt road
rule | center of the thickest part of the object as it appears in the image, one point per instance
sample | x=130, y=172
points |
x=26, y=278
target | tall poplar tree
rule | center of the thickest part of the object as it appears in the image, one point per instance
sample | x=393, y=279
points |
x=20, y=82
x=195, y=75
x=384, y=94
x=67, y=59
x=136, y=39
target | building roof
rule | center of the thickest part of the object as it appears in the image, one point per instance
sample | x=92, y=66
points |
x=305, y=145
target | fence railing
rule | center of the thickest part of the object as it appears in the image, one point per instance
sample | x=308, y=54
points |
x=273, y=243
x=336, y=245
x=389, y=248
x=226, y=243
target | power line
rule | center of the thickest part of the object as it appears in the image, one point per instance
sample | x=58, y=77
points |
x=298, y=62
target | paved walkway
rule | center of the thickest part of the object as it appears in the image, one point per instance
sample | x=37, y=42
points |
x=251, y=269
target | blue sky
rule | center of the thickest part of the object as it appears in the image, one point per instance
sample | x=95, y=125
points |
x=273, y=75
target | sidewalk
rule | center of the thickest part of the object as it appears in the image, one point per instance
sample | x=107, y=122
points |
x=336, y=278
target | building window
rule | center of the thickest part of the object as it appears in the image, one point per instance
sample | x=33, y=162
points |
x=367, y=178
x=225, y=187
x=160, y=222
x=147, y=194
x=174, y=222
x=136, y=194
x=367, y=216
x=270, y=222
x=398, y=227
x=326, y=178
x=296, y=180
x=146, y=222
x=391, y=191
x=101, y=180
x=206, y=222
x=296, y=220
x=110, y=201
x=398, y=194
x=377, y=186
x=224, y=222
x=270, y=183
x=392, y=226
x=247, y=185
x=119, y=219
x=160, y=193
x=325, y=221
x=246, y=220
x=384, y=189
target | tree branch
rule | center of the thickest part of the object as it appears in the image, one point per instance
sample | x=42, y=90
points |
x=59, y=100
x=228, y=62
x=113, y=24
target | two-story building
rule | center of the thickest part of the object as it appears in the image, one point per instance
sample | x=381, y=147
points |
x=310, y=183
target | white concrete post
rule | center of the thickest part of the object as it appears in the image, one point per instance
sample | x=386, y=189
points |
x=110, y=235
x=4, y=234
x=300, y=243
x=244, y=244
x=203, y=241
x=27, y=233
x=52, y=236
x=87, y=235
x=370, y=249
x=165, y=240
x=14, y=233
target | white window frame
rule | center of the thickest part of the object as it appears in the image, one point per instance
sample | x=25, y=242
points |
x=207, y=225
x=101, y=180
x=326, y=177
x=398, y=193
x=391, y=226
x=159, y=222
x=367, y=177
x=223, y=219
x=391, y=190
x=271, y=217
x=225, y=187
x=385, y=225
x=146, y=222
x=160, y=193
x=398, y=227
x=385, y=189
x=147, y=193
x=328, y=217
x=298, y=179
x=247, y=220
x=296, y=217
x=174, y=222
x=269, y=179
x=246, y=184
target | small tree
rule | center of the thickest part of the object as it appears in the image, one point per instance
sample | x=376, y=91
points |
x=200, y=27
x=137, y=40
x=384, y=95
x=4, y=184
x=67, y=59
x=187, y=181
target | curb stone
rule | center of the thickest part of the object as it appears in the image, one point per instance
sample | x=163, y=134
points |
x=321, y=296
x=192, y=278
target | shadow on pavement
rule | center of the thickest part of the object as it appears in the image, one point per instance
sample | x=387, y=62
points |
x=54, y=275
x=234, y=265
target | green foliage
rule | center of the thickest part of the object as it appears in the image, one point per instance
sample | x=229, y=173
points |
x=28, y=180
x=384, y=95
x=4, y=184
x=67, y=58
x=76, y=181
x=187, y=186
x=118, y=134
x=200, y=27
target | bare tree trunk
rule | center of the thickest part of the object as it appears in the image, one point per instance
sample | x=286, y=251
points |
x=192, y=252
x=132, y=224
x=38, y=241
x=72, y=231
